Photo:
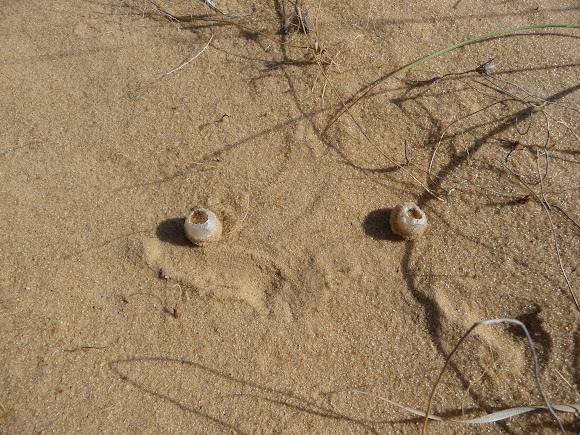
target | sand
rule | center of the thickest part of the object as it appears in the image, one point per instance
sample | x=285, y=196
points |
x=112, y=322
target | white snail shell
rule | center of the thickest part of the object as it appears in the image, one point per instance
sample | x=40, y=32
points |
x=202, y=226
x=408, y=221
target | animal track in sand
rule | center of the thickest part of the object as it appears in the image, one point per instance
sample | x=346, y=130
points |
x=460, y=311
x=267, y=282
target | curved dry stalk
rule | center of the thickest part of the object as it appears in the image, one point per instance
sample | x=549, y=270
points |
x=193, y=58
x=550, y=408
x=486, y=419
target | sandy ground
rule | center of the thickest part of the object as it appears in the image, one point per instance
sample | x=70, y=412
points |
x=112, y=322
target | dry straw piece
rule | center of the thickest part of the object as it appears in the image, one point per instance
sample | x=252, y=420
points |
x=202, y=226
x=408, y=221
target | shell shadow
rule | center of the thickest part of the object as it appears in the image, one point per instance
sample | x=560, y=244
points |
x=171, y=231
x=376, y=225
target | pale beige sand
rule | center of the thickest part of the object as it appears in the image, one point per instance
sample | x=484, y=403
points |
x=111, y=322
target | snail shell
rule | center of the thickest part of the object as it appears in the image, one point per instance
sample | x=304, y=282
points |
x=202, y=226
x=408, y=221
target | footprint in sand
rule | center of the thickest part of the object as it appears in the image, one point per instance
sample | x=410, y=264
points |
x=461, y=311
x=226, y=271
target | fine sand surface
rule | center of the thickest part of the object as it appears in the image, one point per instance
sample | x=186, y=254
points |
x=112, y=322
